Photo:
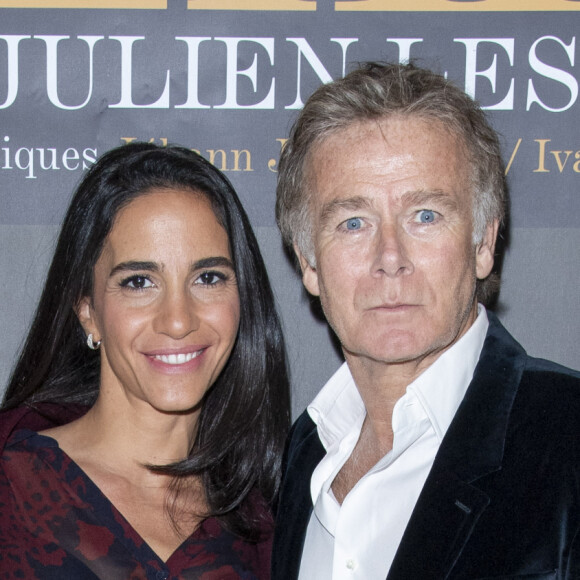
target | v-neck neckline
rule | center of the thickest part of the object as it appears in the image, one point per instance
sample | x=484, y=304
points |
x=131, y=538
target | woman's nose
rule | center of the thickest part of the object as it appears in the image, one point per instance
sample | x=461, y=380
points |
x=177, y=315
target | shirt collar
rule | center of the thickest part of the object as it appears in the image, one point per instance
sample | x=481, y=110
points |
x=442, y=386
x=339, y=408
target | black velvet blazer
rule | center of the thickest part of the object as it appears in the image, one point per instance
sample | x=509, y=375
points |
x=502, y=499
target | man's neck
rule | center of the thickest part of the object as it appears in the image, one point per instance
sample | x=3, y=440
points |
x=380, y=392
x=381, y=385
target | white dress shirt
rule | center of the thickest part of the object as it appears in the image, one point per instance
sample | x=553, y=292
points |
x=358, y=539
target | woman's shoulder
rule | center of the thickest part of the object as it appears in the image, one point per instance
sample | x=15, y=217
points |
x=37, y=417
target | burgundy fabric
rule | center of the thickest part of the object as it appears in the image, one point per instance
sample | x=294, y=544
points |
x=38, y=417
x=56, y=524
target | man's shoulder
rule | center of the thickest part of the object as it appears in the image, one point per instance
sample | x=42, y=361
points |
x=550, y=368
x=303, y=447
x=550, y=388
x=302, y=429
x=501, y=346
x=542, y=384
x=545, y=417
x=301, y=456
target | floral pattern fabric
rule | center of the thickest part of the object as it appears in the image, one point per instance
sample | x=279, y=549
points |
x=55, y=524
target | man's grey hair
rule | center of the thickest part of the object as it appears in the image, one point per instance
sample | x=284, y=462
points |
x=376, y=91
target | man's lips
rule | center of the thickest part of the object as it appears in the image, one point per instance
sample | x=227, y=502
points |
x=393, y=306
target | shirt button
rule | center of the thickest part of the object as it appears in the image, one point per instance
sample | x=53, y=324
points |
x=161, y=575
x=351, y=564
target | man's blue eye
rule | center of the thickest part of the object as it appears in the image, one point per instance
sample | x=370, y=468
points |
x=353, y=224
x=427, y=216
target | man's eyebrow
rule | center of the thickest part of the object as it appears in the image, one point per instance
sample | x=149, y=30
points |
x=426, y=197
x=420, y=197
x=350, y=204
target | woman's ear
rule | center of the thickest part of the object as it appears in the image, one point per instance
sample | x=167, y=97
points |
x=85, y=313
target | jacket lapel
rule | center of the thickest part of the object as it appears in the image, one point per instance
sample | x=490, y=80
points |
x=451, y=503
x=295, y=503
x=443, y=519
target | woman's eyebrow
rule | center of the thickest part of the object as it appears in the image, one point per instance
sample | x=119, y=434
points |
x=212, y=262
x=143, y=266
x=135, y=266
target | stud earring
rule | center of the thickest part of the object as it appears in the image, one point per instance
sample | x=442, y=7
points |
x=92, y=344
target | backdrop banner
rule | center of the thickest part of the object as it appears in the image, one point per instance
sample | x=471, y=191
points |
x=227, y=78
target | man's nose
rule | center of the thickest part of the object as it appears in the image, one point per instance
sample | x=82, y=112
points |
x=391, y=251
x=177, y=315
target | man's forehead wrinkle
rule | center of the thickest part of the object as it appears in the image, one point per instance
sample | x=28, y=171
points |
x=423, y=196
x=370, y=163
x=381, y=127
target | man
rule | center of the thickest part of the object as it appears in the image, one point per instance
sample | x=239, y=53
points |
x=439, y=449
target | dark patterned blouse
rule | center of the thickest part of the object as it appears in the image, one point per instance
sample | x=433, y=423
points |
x=56, y=524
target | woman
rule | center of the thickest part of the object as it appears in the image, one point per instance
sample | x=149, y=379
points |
x=144, y=421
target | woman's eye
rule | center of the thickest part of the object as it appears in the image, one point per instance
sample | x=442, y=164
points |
x=137, y=282
x=210, y=278
x=353, y=224
x=426, y=216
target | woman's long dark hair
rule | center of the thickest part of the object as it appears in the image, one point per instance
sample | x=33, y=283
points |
x=245, y=415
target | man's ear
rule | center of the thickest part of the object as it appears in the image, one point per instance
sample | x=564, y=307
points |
x=85, y=313
x=484, y=251
x=309, y=273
